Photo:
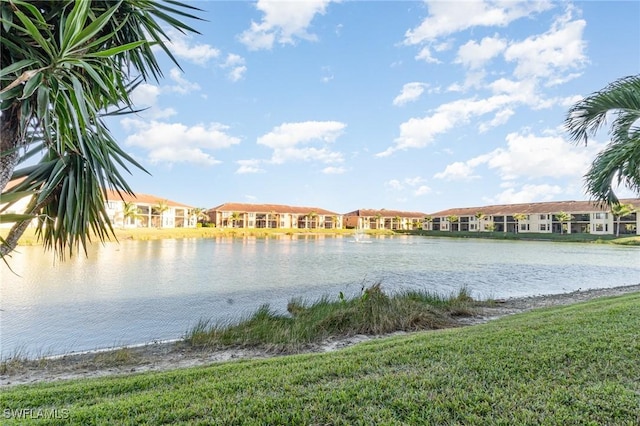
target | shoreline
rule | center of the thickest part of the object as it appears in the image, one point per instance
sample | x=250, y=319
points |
x=171, y=355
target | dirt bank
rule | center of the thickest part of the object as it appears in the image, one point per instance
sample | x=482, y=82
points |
x=166, y=356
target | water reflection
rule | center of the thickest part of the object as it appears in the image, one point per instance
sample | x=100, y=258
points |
x=139, y=291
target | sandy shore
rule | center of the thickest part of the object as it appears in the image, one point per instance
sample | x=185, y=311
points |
x=167, y=356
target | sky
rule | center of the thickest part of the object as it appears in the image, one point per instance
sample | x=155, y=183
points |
x=404, y=105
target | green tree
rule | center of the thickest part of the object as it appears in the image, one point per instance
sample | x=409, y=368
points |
x=519, y=217
x=480, y=217
x=619, y=161
x=452, y=218
x=160, y=208
x=563, y=217
x=66, y=65
x=235, y=217
x=200, y=214
x=619, y=210
x=130, y=210
x=427, y=220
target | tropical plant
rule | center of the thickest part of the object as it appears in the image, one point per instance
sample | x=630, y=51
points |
x=160, y=208
x=312, y=216
x=620, y=160
x=130, y=210
x=235, y=218
x=480, y=217
x=452, y=218
x=563, y=217
x=519, y=217
x=199, y=213
x=619, y=210
x=397, y=219
x=65, y=66
x=427, y=219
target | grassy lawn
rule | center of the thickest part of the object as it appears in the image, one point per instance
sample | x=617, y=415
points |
x=577, y=364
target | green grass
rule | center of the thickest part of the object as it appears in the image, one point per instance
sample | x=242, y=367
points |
x=572, y=365
x=372, y=312
x=531, y=236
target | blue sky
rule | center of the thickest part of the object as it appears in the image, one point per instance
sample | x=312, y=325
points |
x=416, y=106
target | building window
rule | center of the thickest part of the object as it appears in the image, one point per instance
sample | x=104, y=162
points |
x=543, y=226
x=601, y=215
x=252, y=215
x=524, y=226
x=112, y=205
x=599, y=227
x=544, y=217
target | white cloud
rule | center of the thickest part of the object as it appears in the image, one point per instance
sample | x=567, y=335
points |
x=287, y=139
x=425, y=55
x=543, y=56
x=145, y=96
x=457, y=171
x=249, y=166
x=176, y=142
x=235, y=64
x=332, y=170
x=533, y=156
x=181, y=46
x=419, y=132
x=414, y=184
x=474, y=55
x=527, y=156
x=422, y=190
x=446, y=18
x=527, y=194
x=282, y=22
x=183, y=85
x=410, y=92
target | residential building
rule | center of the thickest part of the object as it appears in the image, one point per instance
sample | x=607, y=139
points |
x=585, y=217
x=147, y=211
x=242, y=215
x=383, y=219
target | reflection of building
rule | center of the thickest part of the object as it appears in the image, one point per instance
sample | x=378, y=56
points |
x=383, y=219
x=240, y=215
x=147, y=211
x=585, y=217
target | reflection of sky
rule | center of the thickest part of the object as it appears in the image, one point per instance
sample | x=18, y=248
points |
x=138, y=291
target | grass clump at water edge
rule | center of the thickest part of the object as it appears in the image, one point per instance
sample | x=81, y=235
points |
x=373, y=312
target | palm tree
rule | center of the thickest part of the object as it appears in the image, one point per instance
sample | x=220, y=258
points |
x=480, y=217
x=519, y=217
x=397, y=220
x=427, y=219
x=563, y=217
x=235, y=217
x=452, y=218
x=65, y=66
x=620, y=159
x=313, y=217
x=199, y=213
x=130, y=210
x=160, y=208
x=620, y=210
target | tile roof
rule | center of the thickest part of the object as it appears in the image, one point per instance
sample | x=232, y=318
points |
x=269, y=208
x=141, y=199
x=533, y=208
x=384, y=213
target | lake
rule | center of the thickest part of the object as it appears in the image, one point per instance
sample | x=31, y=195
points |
x=137, y=292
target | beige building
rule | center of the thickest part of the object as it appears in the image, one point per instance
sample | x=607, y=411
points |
x=585, y=217
x=383, y=219
x=147, y=211
x=242, y=215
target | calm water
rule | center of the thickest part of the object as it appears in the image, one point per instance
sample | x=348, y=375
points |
x=141, y=291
